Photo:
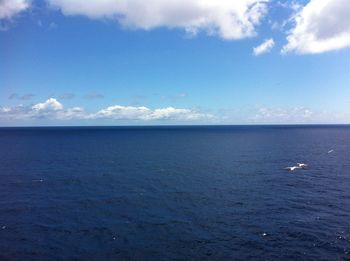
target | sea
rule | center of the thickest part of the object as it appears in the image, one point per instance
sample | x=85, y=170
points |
x=175, y=193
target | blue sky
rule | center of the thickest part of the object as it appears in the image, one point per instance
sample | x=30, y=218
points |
x=69, y=62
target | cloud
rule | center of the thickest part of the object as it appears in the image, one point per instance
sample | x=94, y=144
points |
x=52, y=109
x=138, y=99
x=145, y=114
x=25, y=97
x=50, y=104
x=280, y=115
x=293, y=5
x=52, y=26
x=320, y=26
x=277, y=115
x=181, y=95
x=67, y=96
x=94, y=96
x=175, y=97
x=228, y=19
x=296, y=115
x=265, y=47
x=10, y=8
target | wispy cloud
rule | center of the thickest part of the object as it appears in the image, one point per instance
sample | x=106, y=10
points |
x=52, y=26
x=138, y=99
x=260, y=114
x=67, y=96
x=94, y=96
x=24, y=97
x=296, y=115
x=265, y=47
x=174, y=97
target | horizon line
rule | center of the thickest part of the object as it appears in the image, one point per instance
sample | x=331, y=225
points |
x=180, y=125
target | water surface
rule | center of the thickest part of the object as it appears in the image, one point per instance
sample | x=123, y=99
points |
x=174, y=193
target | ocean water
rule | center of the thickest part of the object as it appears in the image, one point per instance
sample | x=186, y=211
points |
x=175, y=193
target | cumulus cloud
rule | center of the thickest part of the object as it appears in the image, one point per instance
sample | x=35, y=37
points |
x=50, y=104
x=228, y=19
x=52, y=109
x=10, y=8
x=265, y=47
x=49, y=109
x=145, y=114
x=320, y=26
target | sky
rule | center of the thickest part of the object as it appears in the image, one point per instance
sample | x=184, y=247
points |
x=156, y=62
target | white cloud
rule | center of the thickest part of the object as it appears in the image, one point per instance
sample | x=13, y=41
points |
x=50, y=109
x=320, y=26
x=9, y=8
x=50, y=104
x=145, y=114
x=54, y=110
x=265, y=47
x=228, y=19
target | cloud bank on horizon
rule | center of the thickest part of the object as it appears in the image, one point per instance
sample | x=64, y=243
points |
x=52, y=109
x=316, y=27
x=55, y=112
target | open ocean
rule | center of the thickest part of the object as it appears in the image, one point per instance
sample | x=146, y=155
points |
x=175, y=193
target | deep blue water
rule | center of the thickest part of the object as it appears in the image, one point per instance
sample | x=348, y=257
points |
x=175, y=193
